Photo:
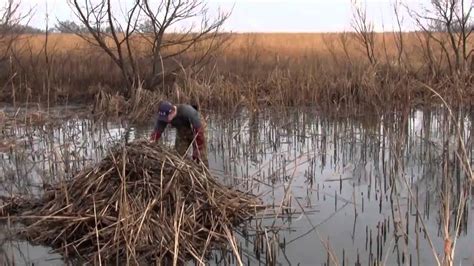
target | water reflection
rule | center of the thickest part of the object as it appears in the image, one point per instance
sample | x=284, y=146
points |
x=343, y=190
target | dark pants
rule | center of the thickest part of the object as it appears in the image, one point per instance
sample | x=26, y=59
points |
x=184, y=142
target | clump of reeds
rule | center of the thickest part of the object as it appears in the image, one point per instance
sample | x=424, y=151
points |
x=140, y=106
x=141, y=203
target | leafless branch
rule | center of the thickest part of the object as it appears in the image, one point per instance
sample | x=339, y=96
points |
x=156, y=23
x=10, y=26
x=364, y=29
x=448, y=19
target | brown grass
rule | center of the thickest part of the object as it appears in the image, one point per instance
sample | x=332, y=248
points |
x=329, y=71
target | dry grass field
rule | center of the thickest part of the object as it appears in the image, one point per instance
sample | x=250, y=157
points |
x=325, y=70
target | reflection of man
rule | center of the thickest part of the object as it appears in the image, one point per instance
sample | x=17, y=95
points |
x=189, y=128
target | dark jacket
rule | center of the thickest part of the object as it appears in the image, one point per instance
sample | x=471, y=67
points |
x=187, y=118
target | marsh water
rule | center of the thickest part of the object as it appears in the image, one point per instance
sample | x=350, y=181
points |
x=359, y=190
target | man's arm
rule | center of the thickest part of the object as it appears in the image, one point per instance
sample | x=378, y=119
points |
x=160, y=126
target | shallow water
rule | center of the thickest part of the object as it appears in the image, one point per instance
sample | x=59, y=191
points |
x=339, y=186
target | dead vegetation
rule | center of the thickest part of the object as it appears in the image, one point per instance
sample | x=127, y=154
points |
x=141, y=203
x=312, y=70
x=362, y=69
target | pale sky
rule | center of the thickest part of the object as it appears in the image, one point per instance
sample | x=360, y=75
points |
x=268, y=15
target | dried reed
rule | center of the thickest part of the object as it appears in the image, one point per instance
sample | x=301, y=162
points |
x=141, y=203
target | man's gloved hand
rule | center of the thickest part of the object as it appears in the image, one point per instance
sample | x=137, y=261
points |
x=155, y=136
x=199, y=142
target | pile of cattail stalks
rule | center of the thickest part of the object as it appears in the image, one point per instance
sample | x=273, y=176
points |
x=141, y=204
